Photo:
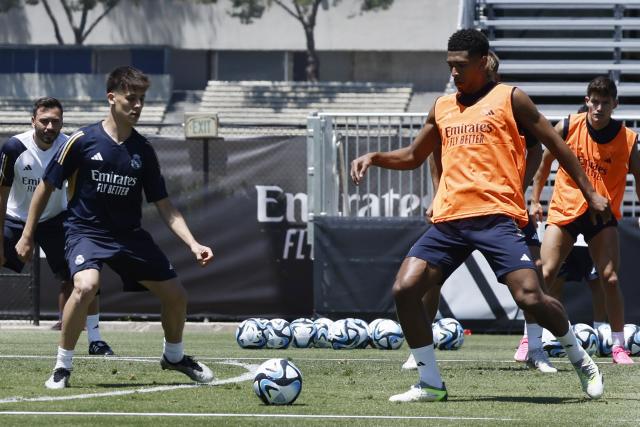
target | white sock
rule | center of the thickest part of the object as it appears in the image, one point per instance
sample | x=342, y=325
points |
x=64, y=359
x=596, y=325
x=93, y=328
x=534, y=336
x=173, y=352
x=617, y=338
x=427, y=366
x=574, y=350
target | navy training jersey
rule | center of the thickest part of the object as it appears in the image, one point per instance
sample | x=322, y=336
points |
x=106, y=180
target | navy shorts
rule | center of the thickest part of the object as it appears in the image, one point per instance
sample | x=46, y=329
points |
x=448, y=244
x=49, y=236
x=583, y=225
x=531, y=234
x=578, y=266
x=134, y=256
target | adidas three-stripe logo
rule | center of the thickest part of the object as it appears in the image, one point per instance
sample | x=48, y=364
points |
x=97, y=156
x=27, y=168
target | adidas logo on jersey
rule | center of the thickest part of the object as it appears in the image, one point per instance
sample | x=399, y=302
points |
x=27, y=168
x=97, y=156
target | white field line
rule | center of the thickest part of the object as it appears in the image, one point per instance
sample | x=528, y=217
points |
x=156, y=359
x=247, y=376
x=222, y=415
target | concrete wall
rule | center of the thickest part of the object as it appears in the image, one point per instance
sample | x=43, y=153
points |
x=409, y=25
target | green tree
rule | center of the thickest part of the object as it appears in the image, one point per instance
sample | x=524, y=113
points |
x=305, y=12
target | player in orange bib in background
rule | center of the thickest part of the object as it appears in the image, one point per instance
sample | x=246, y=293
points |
x=478, y=206
x=606, y=150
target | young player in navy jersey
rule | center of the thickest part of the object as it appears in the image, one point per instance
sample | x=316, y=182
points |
x=23, y=159
x=108, y=166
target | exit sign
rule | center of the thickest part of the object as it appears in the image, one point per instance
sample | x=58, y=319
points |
x=198, y=125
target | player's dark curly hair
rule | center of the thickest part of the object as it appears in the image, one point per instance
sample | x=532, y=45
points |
x=602, y=86
x=46, y=102
x=473, y=41
x=126, y=78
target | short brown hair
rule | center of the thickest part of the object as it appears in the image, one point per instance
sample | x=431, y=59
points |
x=127, y=78
x=46, y=102
x=603, y=86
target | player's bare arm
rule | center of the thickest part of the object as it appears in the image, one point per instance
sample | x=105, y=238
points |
x=435, y=168
x=528, y=115
x=176, y=223
x=534, y=157
x=4, y=196
x=634, y=167
x=539, y=180
x=405, y=158
x=24, y=247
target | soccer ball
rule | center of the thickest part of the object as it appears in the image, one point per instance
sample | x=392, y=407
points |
x=587, y=337
x=604, y=340
x=551, y=345
x=449, y=333
x=386, y=334
x=363, y=332
x=250, y=334
x=629, y=330
x=634, y=343
x=321, y=339
x=278, y=333
x=277, y=382
x=303, y=330
x=345, y=334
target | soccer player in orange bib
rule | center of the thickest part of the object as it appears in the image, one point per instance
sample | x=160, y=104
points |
x=479, y=205
x=606, y=150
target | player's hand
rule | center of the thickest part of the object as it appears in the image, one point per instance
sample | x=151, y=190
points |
x=535, y=211
x=204, y=254
x=359, y=166
x=428, y=214
x=599, y=207
x=24, y=249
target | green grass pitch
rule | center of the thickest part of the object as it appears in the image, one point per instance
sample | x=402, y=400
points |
x=348, y=387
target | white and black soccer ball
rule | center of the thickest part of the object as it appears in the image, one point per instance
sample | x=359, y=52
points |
x=321, y=339
x=629, y=330
x=363, y=331
x=587, y=337
x=278, y=333
x=551, y=345
x=386, y=334
x=250, y=334
x=448, y=334
x=634, y=343
x=605, y=342
x=344, y=334
x=278, y=382
x=304, y=331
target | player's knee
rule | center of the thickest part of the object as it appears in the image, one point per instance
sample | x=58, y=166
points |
x=403, y=288
x=176, y=294
x=611, y=281
x=528, y=298
x=85, y=290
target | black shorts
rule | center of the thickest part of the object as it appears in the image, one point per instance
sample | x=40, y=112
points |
x=134, y=256
x=583, y=225
x=578, y=266
x=49, y=236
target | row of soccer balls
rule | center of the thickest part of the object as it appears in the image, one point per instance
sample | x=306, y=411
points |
x=349, y=333
x=593, y=341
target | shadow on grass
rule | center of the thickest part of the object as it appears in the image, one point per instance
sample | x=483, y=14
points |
x=522, y=399
x=150, y=384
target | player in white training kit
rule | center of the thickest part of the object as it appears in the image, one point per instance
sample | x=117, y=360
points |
x=23, y=159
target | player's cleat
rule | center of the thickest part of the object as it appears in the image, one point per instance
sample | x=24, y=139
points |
x=620, y=356
x=422, y=392
x=57, y=326
x=523, y=349
x=537, y=359
x=189, y=366
x=59, y=379
x=410, y=364
x=590, y=377
x=100, y=348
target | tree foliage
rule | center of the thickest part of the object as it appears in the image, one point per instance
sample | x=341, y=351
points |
x=305, y=12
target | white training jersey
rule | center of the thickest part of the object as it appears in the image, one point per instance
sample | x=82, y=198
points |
x=22, y=165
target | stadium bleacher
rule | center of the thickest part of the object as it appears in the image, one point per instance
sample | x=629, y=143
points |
x=551, y=49
x=289, y=103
